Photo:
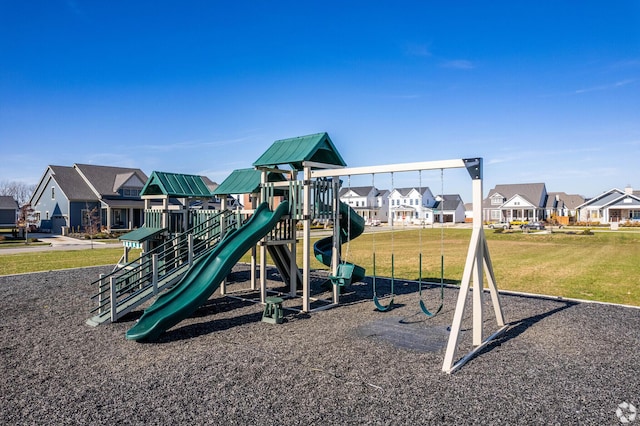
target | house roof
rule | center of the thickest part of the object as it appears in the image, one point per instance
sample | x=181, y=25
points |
x=245, y=181
x=107, y=180
x=448, y=202
x=406, y=191
x=72, y=184
x=360, y=191
x=294, y=151
x=176, y=185
x=564, y=200
x=603, y=199
x=7, y=202
x=531, y=192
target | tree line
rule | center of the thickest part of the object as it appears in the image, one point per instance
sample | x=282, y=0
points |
x=20, y=191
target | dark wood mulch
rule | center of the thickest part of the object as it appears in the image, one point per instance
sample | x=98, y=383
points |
x=561, y=362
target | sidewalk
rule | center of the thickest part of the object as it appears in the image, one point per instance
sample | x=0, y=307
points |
x=58, y=242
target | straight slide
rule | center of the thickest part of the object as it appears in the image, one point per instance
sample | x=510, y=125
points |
x=205, y=276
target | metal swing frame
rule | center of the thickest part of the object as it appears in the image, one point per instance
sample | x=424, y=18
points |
x=477, y=265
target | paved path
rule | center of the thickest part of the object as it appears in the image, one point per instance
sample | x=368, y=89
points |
x=58, y=242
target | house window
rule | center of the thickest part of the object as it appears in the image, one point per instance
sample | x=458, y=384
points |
x=131, y=192
x=53, y=193
x=496, y=201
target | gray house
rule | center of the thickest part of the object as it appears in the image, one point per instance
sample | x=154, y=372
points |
x=505, y=203
x=65, y=196
x=451, y=207
x=8, y=211
x=563, y=207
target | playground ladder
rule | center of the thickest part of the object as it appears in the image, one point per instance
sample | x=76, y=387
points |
x=128, y=287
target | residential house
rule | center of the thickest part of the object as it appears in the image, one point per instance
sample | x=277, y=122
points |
x=563, y=207
x=9, y=209
x=611, y=206
x=368, y=202
x=506, y=203
x=65, y=196
x=449, y=208
x=411, y=205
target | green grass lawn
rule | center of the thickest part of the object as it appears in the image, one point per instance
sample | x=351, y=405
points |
x=57, y=259
x=602, y=266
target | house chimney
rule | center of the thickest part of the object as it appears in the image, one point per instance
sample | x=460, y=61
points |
x=628, y=190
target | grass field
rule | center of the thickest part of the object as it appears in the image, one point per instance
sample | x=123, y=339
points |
x=57, y=259
x=602, y=266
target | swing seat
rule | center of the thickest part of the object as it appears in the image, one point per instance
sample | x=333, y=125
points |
x=343, y=275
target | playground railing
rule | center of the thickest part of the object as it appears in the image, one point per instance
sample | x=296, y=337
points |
x=136, y=282
x=322, y=195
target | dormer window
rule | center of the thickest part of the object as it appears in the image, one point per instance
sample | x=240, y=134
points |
x=497, y=200
x=130, y=192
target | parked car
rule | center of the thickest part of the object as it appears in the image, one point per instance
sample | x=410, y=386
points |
x=498, y=225
x=534, y=225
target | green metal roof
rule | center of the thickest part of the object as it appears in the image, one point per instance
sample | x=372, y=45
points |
x=141, y=234
x=176, y=185
x=245, y=181
x=317, y=147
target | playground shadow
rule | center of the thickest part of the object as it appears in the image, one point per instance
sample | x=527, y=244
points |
x=517, y=328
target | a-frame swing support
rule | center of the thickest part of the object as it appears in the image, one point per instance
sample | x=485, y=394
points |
x=478, y=258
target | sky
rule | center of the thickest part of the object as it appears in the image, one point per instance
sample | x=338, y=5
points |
x=543, y=91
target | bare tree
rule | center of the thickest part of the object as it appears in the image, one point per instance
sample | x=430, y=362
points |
x=20, y=191
x=26, y=220
x=91, y=221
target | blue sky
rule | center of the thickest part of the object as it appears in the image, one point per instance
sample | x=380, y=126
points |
x=544, y=91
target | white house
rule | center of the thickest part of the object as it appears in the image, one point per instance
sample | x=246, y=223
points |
x=368, y=202
x=408, y=205
x=611, y=206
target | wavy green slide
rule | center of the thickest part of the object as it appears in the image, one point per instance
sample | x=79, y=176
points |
x=205, y=276
x=351, y=226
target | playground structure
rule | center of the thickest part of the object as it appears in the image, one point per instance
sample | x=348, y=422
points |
x=299, y=182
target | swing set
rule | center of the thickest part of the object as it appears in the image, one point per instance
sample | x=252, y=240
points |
x=477, y=265
x=423, y=307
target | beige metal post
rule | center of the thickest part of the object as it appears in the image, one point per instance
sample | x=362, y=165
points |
x=306, y=247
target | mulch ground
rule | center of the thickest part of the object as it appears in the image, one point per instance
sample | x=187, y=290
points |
x=561, y=362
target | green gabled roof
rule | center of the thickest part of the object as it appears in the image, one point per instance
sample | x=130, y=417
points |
x=141, y=234
x=294, y=151
x=176, y=185
x=245, y=181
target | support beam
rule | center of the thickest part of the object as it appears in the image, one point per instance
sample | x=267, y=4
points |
x=389, y=168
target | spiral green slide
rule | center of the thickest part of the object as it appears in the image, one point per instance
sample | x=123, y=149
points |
x=351, y=226
x=205, y=276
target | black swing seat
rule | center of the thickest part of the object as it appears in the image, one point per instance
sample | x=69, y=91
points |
x=343, y=275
